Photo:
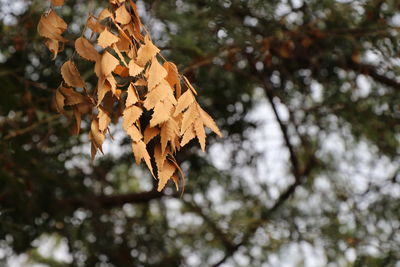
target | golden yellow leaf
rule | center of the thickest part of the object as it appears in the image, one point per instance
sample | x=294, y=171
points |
x=86, y=50
x=106, y=39
x=156, y=73
x=162, y=112
x=104, y=119
x=150, y=133
x=184, y=102
x=140, y=152
x=200, y=133
x=132, y=96
x=134, y=69
x=134, y=133
x=71, y=74
x=165, y=174
x=131, y=115
x=122, y=16
x=146, y=52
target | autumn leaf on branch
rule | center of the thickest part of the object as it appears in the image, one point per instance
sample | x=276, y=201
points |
x=121, y=52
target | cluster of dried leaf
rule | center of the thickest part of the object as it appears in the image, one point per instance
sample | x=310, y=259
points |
x=131, y=84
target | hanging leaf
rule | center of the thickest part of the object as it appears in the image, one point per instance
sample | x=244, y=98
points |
x=122, y=16
x=106, y=39
x=86, y=50
x=146, y=52
x=71, y=74
x=130, y=81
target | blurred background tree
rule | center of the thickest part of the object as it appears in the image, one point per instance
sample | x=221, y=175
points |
x=306, y=93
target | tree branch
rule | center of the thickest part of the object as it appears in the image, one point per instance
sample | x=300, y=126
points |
x=370, y=70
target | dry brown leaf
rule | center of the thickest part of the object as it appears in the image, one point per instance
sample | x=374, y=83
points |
x=175, y=121
x=184, y=102
x=159, y=156
x=104, y=120
x=72, y=97
x=104, y=14
x=78, y=119
x=106, y=38
x=121, y=57
x=208, y=121
x=96, y=136
x=57, y=2
x=122, y=16
x=140, y=82
x=159, y=93
x=59, y=101
x=121, y=71
x=94, y=24
x=131, y=115
x=150, y=133
x=71, y=74
x=175, y=179
x=103, y=87
x=108, y=63
x=134, y=133
x=86, y=50
x=132, y=96
x=146, y=52
x=165, y=174
x=156, y=73
x=169, y=131
x=134, y=69
x=173, y=77
x=53, y=46
x=200, y=133
x=162, y=112
x=124, y=44
x=155, y=96
x=52, y=26
x=189, y=117
x=140, y=152
x=188, y=135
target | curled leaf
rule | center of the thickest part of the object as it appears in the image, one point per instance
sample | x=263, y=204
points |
x=86, y=50
x=71, y=74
